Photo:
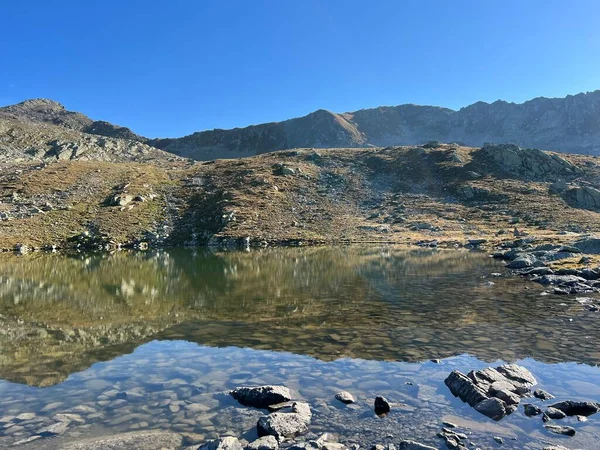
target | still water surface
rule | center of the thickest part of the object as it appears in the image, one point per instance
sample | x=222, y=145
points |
x=150, y=340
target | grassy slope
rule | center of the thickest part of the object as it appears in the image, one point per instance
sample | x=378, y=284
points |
x=337, y=195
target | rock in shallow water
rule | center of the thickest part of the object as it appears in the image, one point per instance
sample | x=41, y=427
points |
x=542, y=395
x=531, y=410
x=264, y=443
x=493, y=407
x=493, y=392
x=345, y=397
x=382, y=406
x=572, y=408
x=148, y=440
x=284, y=425
x=559, y=429
x=261, y=396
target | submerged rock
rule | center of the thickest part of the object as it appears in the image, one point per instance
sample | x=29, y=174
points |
x=148, y=440
x=261, y=396
x=561, y=429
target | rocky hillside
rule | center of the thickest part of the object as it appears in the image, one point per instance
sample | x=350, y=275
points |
x=570, y=124
x=42, y=130
x=443, y=195
x=53, y=113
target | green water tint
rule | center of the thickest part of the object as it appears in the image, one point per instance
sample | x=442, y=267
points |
x=317, y=319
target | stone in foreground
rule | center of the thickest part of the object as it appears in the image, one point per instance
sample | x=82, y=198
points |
x=345, y=397
x=285, y=425
x=261, y=396
x=263, y=443
x=382, y=406
x=492, y=392
x=493, y=407
x=226, y=443
x=412, y=445
x=559, y=429
x=572, y=408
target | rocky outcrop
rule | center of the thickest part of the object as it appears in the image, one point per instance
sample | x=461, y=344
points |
x=261, y=396
x=529, y=163
x=585, y=197
x=286, y=423
x=492, y=392
x=565, y=124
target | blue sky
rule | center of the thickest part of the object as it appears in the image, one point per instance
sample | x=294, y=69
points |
x=168, y=68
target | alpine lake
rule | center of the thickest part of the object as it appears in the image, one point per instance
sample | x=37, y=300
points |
x=154, y=340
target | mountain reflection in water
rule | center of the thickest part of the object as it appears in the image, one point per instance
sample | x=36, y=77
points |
x=63, y=313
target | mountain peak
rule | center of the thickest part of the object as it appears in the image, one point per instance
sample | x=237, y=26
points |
x=35, y=103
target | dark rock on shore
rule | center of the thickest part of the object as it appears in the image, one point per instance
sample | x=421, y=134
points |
x=261, y=396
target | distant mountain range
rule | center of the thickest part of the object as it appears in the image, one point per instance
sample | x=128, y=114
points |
x=570, y=124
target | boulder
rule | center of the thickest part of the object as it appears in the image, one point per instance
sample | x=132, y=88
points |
x=494, y=408
x=284, y=425
x=413, y=445
x=531, y=410
x=463, y=387
x=522, y=262
x=226, y=443
x=121, y=200
x=261, y=396
x=572, y=408
x=542, y=395
x=585, y=197
x=264, y=443
x=560, y=429
x=518, y=375
x=345, y=397
x=553, y=413
x=382, y=406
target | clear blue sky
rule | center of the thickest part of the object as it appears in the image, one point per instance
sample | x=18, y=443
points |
x=171, y=67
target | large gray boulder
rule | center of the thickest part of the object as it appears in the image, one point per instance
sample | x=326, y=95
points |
x=494, y=392
x=261, y=396
x=226, y=443
x=585, y=197
x=285, y=425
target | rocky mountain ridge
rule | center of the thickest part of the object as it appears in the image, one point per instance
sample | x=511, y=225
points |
x=570, y=124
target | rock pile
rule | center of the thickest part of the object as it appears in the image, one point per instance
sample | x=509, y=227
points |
x=492, y=392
